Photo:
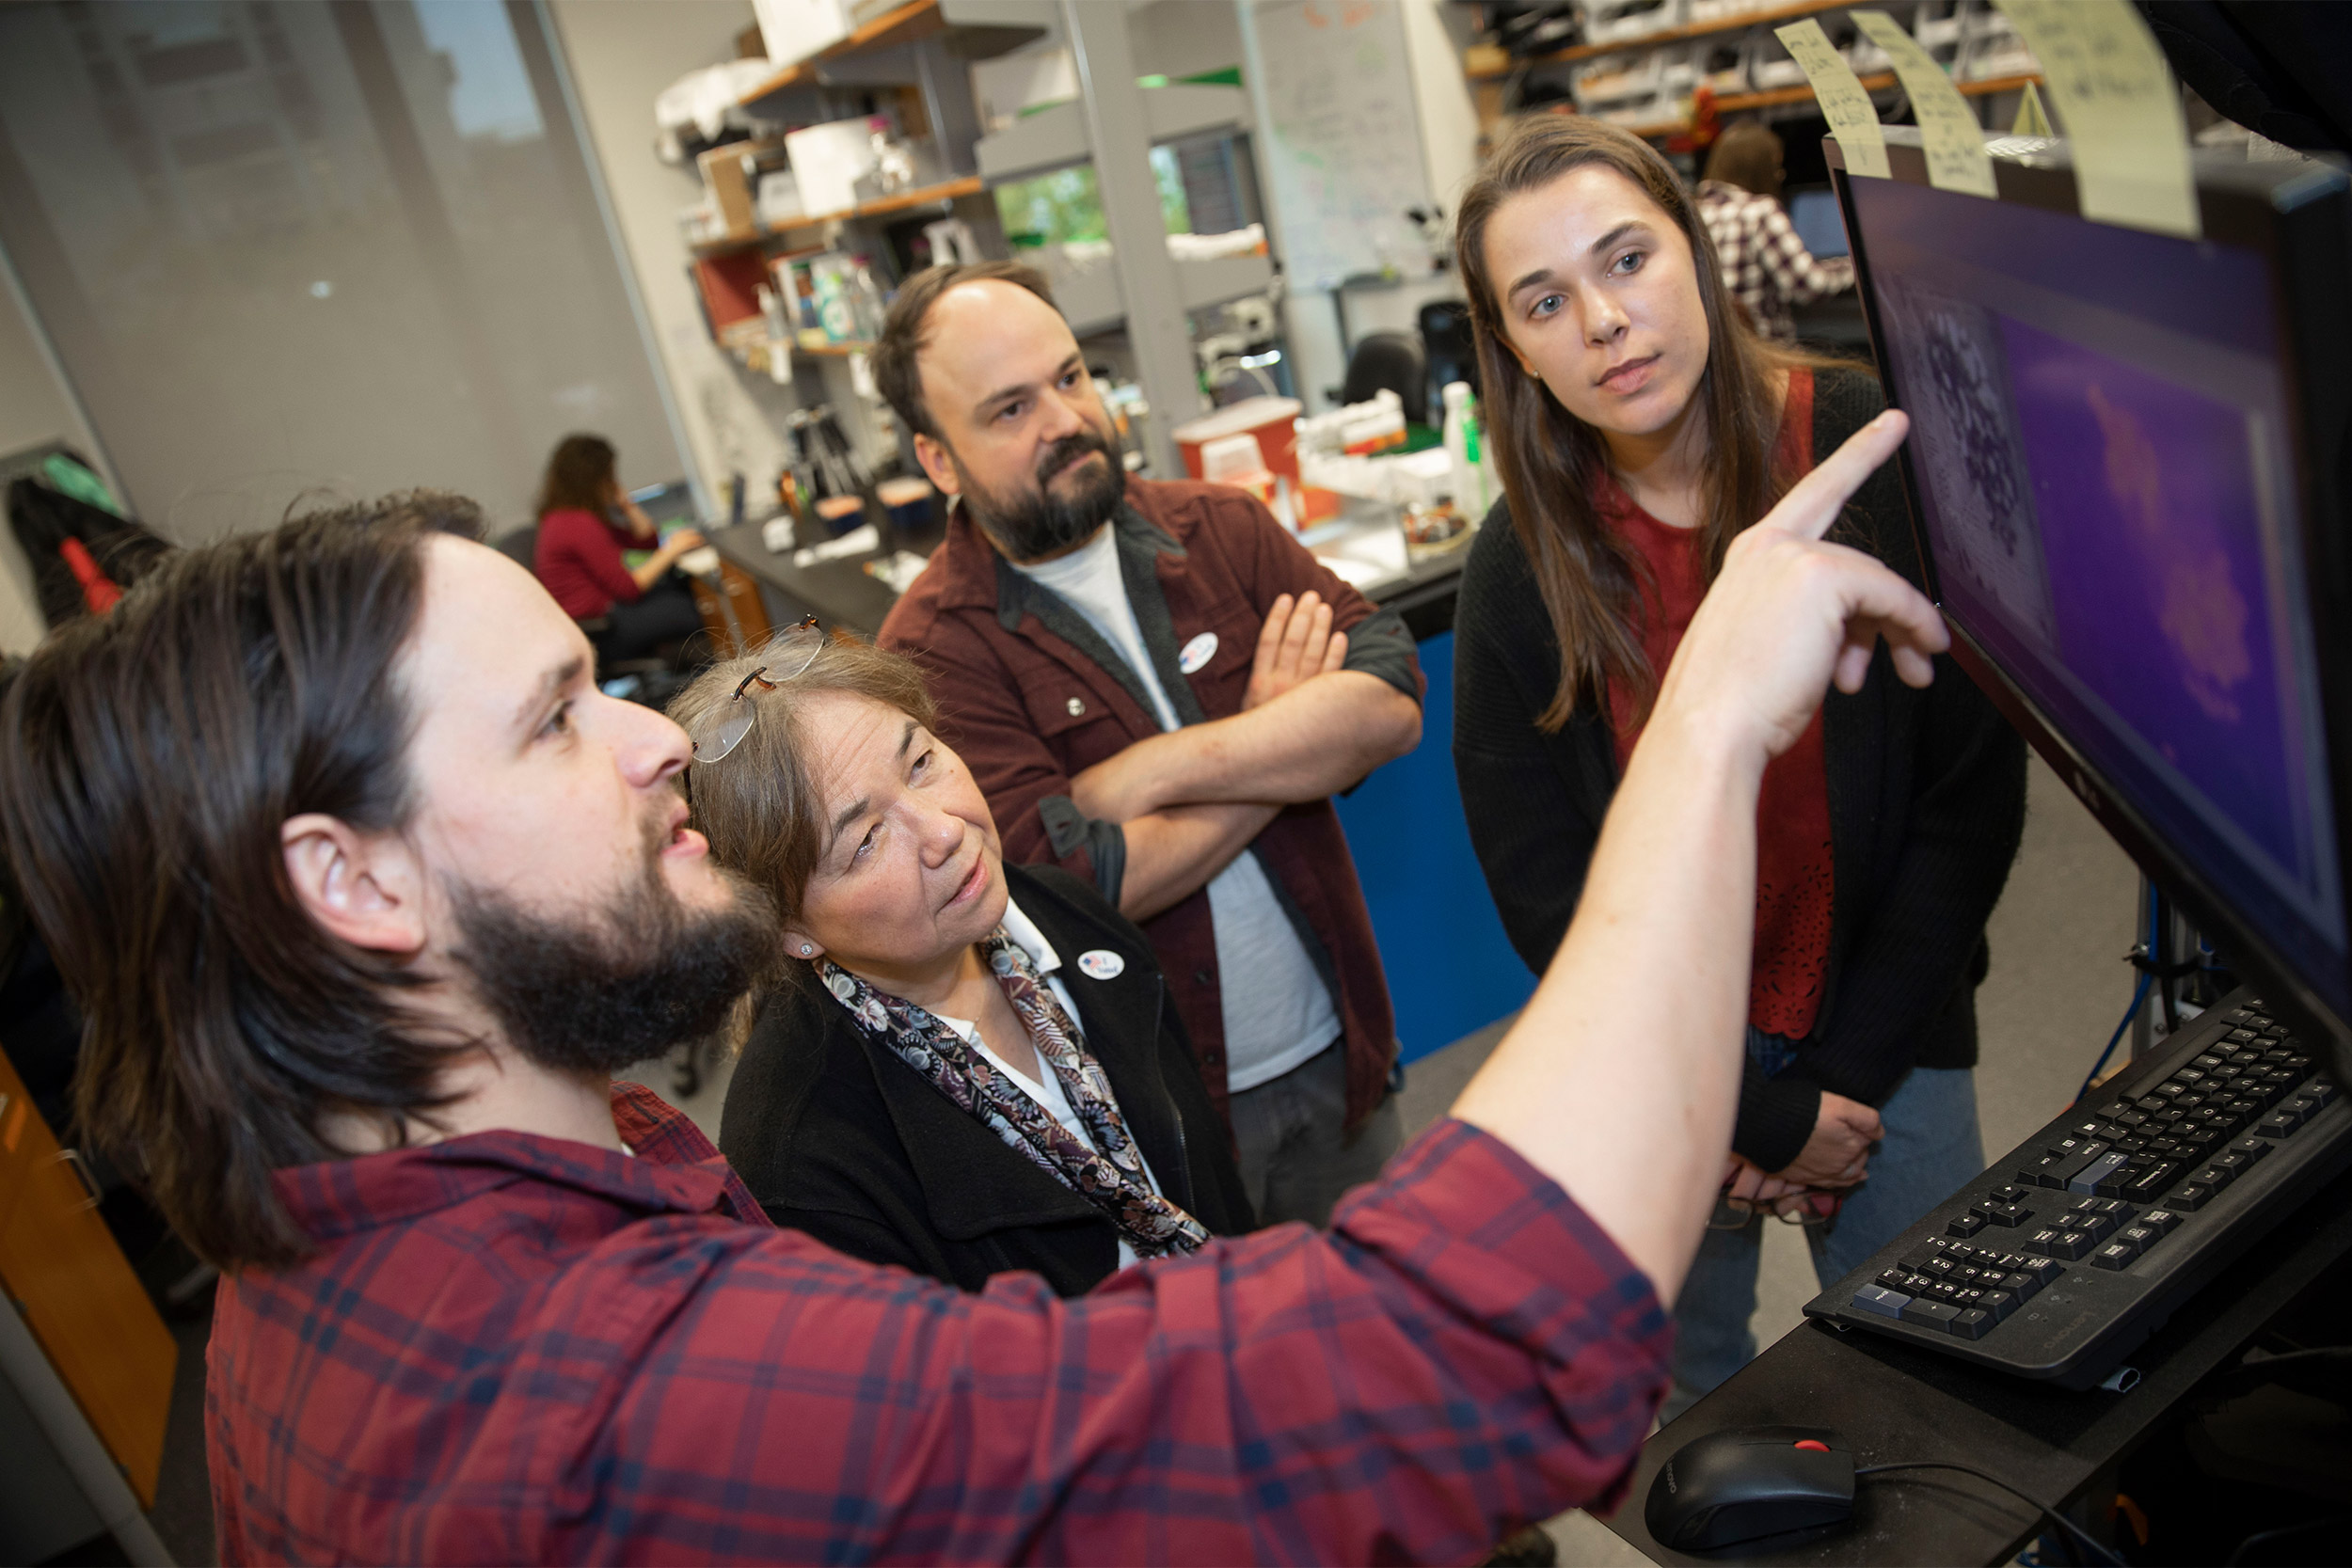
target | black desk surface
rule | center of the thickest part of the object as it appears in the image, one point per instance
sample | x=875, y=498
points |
x=838, y=592
x=1892, y=1402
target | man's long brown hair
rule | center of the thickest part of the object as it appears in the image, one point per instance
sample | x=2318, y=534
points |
x=1551, y=461
x=148, y=763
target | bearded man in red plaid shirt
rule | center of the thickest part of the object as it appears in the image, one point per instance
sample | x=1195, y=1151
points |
x=366, y=890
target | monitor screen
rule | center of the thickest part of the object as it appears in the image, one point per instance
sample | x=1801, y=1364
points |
x=1815, y=217
x=2106, y=485
x=670, y=505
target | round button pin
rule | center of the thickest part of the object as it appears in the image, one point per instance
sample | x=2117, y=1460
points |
x=1077, y=707
x=1102, y=963
x=1197, y=653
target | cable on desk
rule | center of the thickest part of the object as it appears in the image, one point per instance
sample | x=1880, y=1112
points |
x=2331, y=1521
x=2048, y=1512
x=2140, y=994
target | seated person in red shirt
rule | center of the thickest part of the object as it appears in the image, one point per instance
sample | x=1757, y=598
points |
x=359, y=955
x=579, y=556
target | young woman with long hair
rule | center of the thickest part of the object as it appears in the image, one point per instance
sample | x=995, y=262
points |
x=1639, y=424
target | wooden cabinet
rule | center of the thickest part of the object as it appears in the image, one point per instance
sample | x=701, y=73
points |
x=76, y=1292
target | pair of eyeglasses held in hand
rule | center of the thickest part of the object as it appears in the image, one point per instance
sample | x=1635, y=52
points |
x=1806, y=1206
x=722, y=729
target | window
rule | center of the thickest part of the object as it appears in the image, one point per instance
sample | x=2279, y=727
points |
x=283, y=247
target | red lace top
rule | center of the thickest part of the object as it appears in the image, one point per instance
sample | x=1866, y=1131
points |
x=1794, y=883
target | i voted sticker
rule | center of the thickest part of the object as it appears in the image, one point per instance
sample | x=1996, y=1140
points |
x=1102, y=963
x=1198, y=652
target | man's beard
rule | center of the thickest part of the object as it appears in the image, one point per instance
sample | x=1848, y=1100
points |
x=635, y=979
x=1033, y=527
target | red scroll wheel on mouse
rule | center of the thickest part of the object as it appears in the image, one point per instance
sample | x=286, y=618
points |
x=1814, y=1443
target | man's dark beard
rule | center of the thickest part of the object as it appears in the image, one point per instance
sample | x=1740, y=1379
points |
x=637, y=977
x=1032, y=527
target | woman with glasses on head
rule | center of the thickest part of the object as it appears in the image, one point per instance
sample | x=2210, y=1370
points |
x=970, y=1067
x=1639, y=423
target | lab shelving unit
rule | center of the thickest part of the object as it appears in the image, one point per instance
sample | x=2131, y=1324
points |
x=923, y=49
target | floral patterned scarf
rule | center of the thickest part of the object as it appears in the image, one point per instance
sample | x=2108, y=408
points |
x=1110, y=1175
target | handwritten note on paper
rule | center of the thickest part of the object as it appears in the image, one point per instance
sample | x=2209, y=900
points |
x=2122, y=111
x=1843, y=103
x=1948, y=124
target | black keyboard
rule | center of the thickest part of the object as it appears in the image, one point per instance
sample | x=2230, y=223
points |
x=2060, y=1259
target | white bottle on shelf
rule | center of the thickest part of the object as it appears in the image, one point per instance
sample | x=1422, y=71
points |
x=1470, y=486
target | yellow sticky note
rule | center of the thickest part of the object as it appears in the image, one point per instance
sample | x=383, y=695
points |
x=2122, y=111
x=2032, y=119
x=1948, y=124
x=1844, y=104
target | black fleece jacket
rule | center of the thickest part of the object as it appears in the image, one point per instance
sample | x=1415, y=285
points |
x=1927, y=796
x=838, y=1137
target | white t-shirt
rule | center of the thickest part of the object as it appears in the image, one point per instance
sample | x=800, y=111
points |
x=1048, y=1091
x=1278, y=1012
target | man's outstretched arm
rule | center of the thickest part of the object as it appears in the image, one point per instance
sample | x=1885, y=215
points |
x=1469, y=1348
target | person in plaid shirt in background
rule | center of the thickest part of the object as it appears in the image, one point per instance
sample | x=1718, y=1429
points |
x=365, y=889
x=1766, y=265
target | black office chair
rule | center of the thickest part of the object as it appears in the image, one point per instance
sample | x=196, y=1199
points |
x=520, y=547
x=1450, y=349
x=1391, y=361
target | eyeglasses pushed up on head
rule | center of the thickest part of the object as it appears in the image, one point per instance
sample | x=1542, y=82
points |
x=722, y=729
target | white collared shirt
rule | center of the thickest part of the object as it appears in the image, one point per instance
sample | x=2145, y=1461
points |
x=1048, y=1093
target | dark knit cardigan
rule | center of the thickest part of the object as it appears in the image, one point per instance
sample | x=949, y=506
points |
x=1927, y=796
x=838, y=1137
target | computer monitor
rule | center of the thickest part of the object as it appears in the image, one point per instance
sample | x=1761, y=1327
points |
x=2125, y=477
x=1815, y=217
x=669, y=505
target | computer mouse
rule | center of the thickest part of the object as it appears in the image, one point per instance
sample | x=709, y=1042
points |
x=1747, y=1481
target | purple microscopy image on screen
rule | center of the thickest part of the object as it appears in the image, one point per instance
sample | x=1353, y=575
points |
x=1967, y=453
x=2146, y=495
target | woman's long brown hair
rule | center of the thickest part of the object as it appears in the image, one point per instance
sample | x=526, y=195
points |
x=1551, y=461
x=581, y=475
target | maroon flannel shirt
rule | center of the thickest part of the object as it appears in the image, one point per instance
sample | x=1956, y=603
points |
x=1028, y=709
x=520, y=1349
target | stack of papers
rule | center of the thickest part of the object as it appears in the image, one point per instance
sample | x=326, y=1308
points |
x=862, y=540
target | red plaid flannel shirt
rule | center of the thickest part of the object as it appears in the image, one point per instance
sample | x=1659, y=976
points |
x=520, y=1349
x=1764, y=263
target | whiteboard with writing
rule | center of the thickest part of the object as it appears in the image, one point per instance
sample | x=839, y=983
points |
x=1339, y=138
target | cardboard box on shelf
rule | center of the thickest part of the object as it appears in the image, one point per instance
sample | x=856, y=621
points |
x=730, y=288
x=827, y=161
x=1003, y=88
x=779, y=200
x=795, y=29
x=725, y=172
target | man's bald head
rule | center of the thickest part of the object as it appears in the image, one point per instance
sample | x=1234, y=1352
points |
x=909, y=329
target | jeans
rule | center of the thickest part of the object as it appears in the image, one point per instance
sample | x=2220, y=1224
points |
x=1296, y=1161
x=1930, y=1147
